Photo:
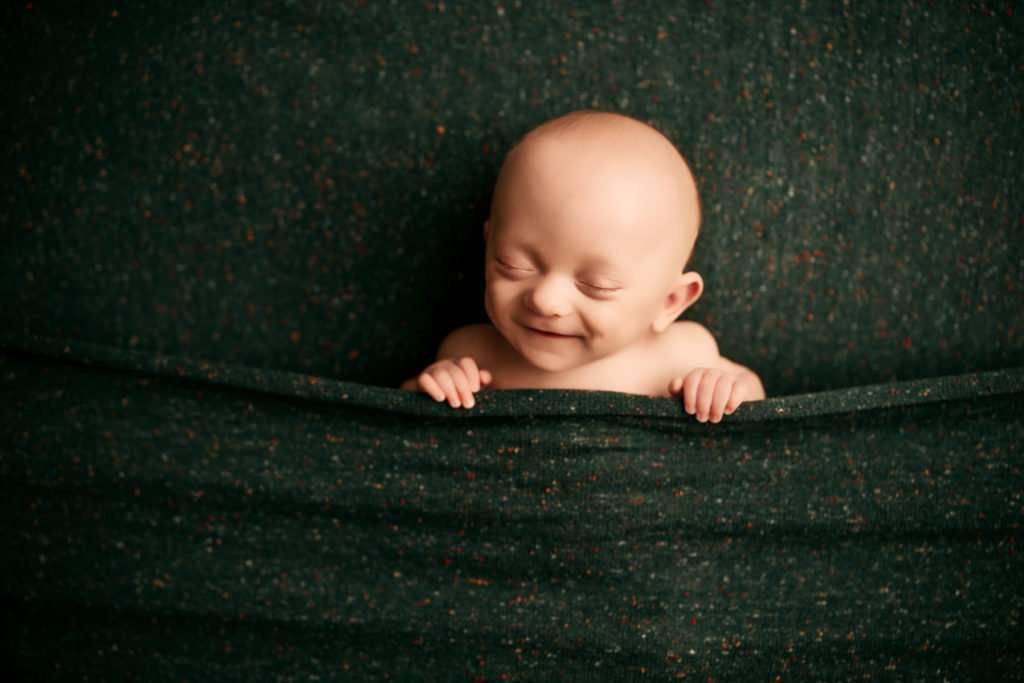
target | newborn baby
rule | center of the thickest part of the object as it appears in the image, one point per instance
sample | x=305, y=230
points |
x=593, y=220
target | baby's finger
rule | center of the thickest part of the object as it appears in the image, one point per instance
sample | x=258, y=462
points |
x=428, y=384
x=737, y=397
x=462, y=384
x=690, y=386
x=468, y=366
x=723, y=390
x=486, y=377
x=675, y=386
x=706, y=394
x=447, y=383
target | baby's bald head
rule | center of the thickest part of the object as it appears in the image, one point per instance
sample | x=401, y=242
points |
x=617, y=159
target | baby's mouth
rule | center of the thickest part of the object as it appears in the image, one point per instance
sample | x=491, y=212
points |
x=550, y=335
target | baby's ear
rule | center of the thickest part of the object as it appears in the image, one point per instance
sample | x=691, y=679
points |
x=684, y=293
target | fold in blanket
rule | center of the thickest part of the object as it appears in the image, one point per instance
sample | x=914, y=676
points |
x=173, y=519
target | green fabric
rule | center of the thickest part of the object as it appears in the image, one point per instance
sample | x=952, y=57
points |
x=175, y=520
x=301, y=185
x=226, y=228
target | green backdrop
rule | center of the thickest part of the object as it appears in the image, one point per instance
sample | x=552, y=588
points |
x=229, y=229
x=302, y=185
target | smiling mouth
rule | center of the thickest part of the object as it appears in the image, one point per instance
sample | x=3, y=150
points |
x=551, y=335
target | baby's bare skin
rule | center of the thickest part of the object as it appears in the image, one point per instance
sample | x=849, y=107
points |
x=593, y=218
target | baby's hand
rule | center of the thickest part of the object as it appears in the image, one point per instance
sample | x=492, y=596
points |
x=711, y=392
x=454, y=380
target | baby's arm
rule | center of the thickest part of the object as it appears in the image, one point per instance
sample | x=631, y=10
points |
x=455, y=376
x=717, y=386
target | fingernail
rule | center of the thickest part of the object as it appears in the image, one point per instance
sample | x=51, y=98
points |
x=470, y=404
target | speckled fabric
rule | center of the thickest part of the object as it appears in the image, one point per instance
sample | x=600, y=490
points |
x=173, y=520
x=226, y=228
x=301, y=185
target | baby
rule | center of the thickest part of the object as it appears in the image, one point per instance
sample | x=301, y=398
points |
x=593, y=220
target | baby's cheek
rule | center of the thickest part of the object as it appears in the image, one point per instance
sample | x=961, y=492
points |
x=489, y=304
x=619, y=324
x=501, y=290
x=497, y=298
x=600, y=326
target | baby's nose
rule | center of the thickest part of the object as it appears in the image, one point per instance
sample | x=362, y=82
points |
x=551, y=297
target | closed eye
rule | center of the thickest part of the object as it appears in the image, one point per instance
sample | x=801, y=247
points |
x=509, y=266
x=599, y=290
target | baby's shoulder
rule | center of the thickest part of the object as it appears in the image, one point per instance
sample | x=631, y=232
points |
x=690, y=342
x=481, y=341
x=683, y=346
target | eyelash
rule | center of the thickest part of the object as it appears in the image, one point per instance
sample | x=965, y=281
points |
x=601, y=290
x=508, y=266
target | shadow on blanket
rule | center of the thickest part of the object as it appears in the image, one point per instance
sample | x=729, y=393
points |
x=166, y=518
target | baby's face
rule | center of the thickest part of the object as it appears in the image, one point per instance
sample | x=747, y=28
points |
x=585, y=241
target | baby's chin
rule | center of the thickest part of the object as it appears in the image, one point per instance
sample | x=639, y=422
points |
x=545, y=363
x=552, y=360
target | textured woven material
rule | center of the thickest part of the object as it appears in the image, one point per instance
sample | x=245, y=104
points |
x=301, y=185
x=226, y=227
x=173, y=520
